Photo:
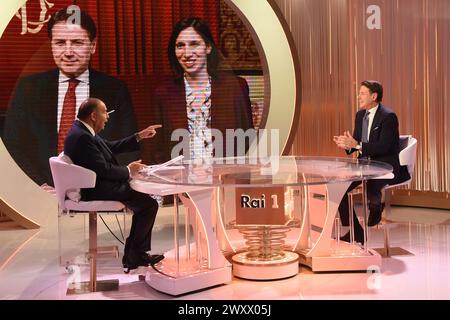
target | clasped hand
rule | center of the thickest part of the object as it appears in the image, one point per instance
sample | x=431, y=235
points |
x=345, y=141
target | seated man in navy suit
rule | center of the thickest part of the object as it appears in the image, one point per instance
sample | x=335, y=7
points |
x=87, y=149
x=375, y=137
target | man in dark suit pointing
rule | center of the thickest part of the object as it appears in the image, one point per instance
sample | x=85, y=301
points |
x=87, y=149
x=43, y=106
x=375, y=137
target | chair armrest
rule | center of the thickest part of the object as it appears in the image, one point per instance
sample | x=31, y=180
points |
x=80, y=177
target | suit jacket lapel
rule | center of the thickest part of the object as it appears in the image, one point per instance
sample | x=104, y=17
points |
x=50, y=109
x=376, y=120
x=176, y=114
x=222, y=90
x=100, y=143
x=94, y=85
x=103, y=146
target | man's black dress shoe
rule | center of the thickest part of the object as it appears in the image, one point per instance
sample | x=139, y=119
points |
x=358, y=237
x=152, y=258
x=375, y=216
x=132, y=262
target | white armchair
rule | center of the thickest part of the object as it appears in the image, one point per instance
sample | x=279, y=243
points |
x=407, y=157
x=68, y=179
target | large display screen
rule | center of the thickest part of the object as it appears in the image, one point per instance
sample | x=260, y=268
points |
x=129, y=69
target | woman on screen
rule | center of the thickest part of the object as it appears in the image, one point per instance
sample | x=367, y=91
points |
x=200, y=97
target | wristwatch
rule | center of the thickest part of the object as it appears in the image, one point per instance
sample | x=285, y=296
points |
x=359, y=147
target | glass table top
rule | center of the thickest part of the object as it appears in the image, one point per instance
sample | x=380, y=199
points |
x=264, y=172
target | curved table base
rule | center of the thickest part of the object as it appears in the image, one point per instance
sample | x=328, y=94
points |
x=354, y=262
x=176, y=276
x=265, y=270
x=181, y=272
x=188, y=282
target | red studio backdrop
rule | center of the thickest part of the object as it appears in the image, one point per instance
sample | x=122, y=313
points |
x=132, y=41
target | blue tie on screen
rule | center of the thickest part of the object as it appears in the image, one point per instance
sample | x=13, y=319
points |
x=365, y=128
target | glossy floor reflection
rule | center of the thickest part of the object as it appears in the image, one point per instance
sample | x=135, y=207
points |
x=29, y=267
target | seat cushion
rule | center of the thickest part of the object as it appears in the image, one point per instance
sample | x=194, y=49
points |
x=98, y=205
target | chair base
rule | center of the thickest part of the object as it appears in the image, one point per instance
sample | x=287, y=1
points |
x=83, y=259
x=352, y=259
x=108, y=251
x=101, y=286
x=394, y=251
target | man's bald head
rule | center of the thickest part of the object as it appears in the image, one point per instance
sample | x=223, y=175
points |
x=87, y=107
x=93, y=112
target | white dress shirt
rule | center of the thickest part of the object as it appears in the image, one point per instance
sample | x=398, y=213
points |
x=91, y=130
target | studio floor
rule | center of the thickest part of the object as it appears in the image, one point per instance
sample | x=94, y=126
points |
x=30, y=269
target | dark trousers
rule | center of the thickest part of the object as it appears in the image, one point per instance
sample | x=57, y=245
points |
x=143, y=206
x=144, y=214
x=374, y=188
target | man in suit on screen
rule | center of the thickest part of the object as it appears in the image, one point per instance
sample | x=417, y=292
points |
x=43, y=106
